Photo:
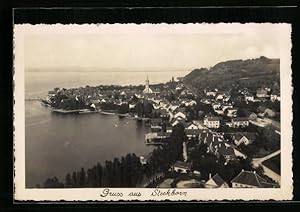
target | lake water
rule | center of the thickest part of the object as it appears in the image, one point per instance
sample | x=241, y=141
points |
x=57, y=143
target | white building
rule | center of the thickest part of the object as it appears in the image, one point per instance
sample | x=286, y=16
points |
x=240, y=122
x=212, y=122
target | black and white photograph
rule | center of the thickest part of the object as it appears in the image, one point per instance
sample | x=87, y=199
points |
x=153, y=112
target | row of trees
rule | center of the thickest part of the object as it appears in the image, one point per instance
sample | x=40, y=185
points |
x=124, y=172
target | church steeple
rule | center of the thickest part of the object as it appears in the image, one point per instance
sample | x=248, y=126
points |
x=147, y=89
x=147, y=82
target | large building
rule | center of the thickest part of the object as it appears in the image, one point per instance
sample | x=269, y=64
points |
x=212, y=122
x=147, y=89
x=250, y=179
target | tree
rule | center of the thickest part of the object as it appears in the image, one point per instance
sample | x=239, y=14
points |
x=107, y=176
x=117, y=173
x=53, y=183
x=68, y=181
x=98, y=176
x=75, y=181
x=82, y=177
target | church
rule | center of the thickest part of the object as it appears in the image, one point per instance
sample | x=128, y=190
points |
x=147, y=89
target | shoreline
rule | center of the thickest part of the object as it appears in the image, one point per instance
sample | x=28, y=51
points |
x=87, y=111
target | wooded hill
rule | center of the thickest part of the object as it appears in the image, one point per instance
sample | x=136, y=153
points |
x=260, y=71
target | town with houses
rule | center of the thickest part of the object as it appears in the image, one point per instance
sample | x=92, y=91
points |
x=231, y=137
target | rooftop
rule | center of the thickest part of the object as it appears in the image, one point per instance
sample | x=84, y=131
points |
x=240, y=119
x=273, y=164
x=217, y=179
x=213, y=118
x=249, y=135
x=252, y=179
x=182, y=164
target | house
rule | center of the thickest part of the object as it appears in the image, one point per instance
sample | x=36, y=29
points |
x=249, y=97
x=220, y=95
x=189, y=103
x=173, y=107
x=274, y=97
x=169, y=129
x=212, y=122
x=216, y=105
x=131, y=105
x=219, y=111
x=144, y=159
x=197, y=173
x=278, y=98
x=240, y=122
x=51, y=93
x=215, y=182
x=226, y=98
x=156, y=106
x=174, y=122
x=192, y=133
x=156, y=124
x=191, y=126
x=232, y=112
x=269, y=112
x=238, y=153
x=211, y=93
x=206, y=101
x=182, y=167
x=123, y=93
x=261, y=93
x=179, y=115
x=226, y=106
x=250, y=115
x=250, y=179
x=199, y=124
x=245, y=138
x=228, y=123
x=164, y=114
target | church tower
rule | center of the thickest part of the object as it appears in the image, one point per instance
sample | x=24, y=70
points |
x=147, y=89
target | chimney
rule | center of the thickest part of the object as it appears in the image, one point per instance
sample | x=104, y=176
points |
x=209, y=176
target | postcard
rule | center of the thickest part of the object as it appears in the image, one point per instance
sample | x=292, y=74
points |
x=153, y=112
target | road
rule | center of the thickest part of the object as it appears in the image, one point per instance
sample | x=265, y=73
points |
x=256, y=162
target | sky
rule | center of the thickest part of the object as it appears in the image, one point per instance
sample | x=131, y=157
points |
x=146, y=47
